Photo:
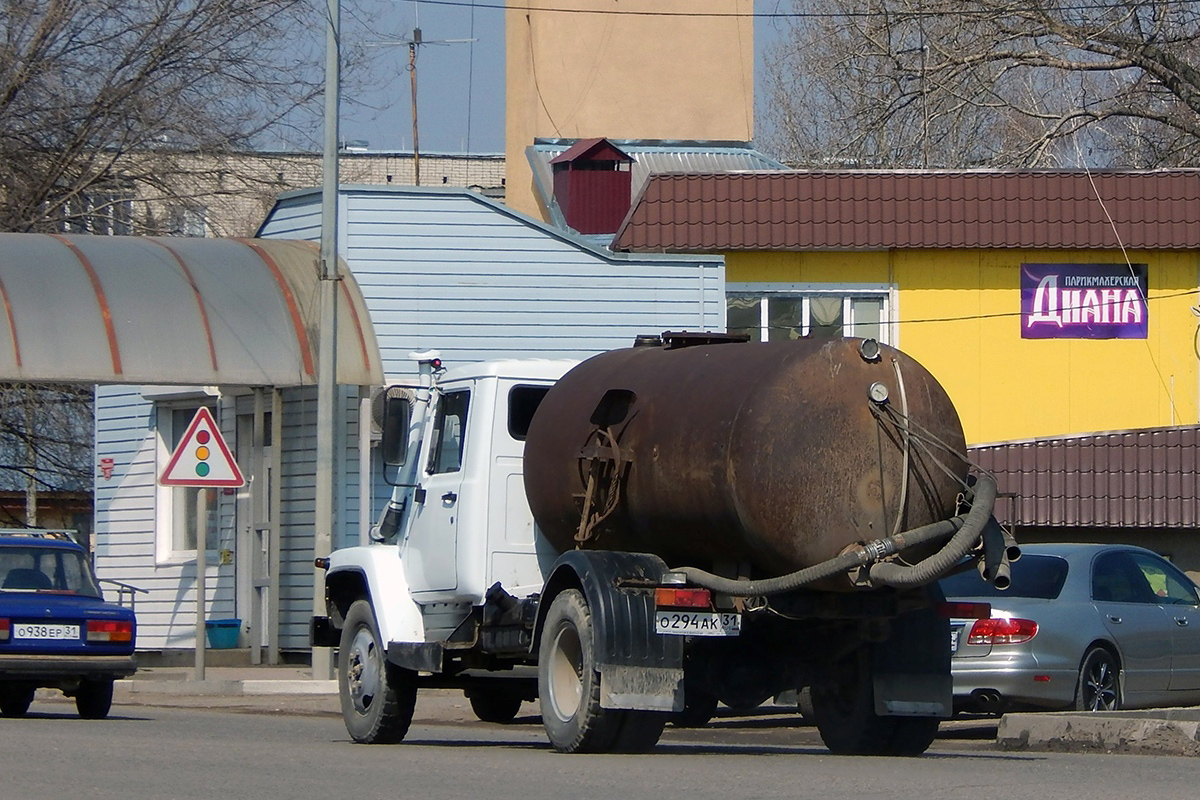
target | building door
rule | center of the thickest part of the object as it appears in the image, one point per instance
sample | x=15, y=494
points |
x=253, y=557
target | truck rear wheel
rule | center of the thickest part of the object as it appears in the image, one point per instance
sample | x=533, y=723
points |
x=569, y=683
x=698, y=708
x=844, y=712
x=495, y=706
x=378, y=698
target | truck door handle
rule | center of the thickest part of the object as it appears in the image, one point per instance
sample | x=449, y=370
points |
x=449, y=497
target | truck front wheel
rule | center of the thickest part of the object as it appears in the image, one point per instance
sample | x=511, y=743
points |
x=378, y=698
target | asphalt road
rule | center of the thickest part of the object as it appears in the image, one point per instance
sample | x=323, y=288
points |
x=243, y=751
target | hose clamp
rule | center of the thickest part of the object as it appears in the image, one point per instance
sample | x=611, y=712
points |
x=880, y=549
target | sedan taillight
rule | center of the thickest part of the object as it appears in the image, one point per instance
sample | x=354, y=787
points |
x=109, y=630
x=1002, y=631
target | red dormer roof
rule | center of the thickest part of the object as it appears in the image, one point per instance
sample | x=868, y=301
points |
x=599, y=149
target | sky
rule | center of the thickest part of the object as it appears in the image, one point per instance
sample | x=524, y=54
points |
x=453, y=77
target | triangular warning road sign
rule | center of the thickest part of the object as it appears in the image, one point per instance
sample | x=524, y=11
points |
x=201, y=458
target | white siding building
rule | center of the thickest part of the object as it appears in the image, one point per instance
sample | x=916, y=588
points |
x=443, y=269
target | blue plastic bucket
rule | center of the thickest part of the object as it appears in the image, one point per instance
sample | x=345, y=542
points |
x=223, y=633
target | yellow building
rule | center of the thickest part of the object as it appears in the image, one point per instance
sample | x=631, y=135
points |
x=933, y=263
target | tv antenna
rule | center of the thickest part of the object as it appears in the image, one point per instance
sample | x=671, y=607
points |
x=415, y=41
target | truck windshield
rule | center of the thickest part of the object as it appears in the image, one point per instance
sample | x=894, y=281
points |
x=45, y=569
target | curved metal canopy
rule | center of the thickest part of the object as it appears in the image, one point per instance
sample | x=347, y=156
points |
x=150, y=310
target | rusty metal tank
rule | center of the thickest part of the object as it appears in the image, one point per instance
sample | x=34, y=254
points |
x=758, y=458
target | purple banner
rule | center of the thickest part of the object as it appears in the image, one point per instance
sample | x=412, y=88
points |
x=1084, y=301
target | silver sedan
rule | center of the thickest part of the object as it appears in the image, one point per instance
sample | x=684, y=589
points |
x=1083, y=626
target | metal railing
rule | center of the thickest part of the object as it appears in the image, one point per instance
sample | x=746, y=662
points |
x=126, y=590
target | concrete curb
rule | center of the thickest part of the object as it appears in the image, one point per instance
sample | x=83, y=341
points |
x=1170, y=731
x=230, y=688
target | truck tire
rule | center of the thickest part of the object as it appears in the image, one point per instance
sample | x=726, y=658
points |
x=639, y=731
x=569, y=681
x=804, y=704
x=378, y=698
x=498, y=705
x=843, y=708
x=698, y=709
x=15, y=700
x=93, y=698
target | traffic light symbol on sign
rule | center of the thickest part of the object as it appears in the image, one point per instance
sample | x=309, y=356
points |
x=202, y=465
x=201, y=458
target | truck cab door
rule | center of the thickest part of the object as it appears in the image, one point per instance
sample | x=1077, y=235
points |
x=431, y=548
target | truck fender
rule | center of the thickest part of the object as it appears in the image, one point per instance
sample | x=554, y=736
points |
x=639, y=668
x=375, y=572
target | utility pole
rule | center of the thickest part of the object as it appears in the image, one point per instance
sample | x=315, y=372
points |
x=414, y=41
x=412, y=78
x=324, y=515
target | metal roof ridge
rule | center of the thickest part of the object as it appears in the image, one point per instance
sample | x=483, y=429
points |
x=1086, y=435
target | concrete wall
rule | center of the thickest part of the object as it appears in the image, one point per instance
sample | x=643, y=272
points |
x=625, y=75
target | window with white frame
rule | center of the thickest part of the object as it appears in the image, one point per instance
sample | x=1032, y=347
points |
x=190, y=219
x=775, y=312
x=178, y=505
x=101, y=211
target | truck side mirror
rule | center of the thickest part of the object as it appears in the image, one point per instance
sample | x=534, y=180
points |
x=397, y=416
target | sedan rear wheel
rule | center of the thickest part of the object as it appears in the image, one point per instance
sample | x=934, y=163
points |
x=1099, y=686
x=93, y=699
x=15, y=700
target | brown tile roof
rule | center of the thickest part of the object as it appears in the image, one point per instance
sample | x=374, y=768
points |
x=1146, y=478
x=835, y=210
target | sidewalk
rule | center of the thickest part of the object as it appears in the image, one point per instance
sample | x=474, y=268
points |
x=227, y=681
x=274, y=689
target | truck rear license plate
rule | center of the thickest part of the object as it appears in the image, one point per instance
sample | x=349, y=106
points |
x=45, y=631
x=698, y=623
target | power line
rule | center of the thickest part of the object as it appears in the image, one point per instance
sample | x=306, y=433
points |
x=965, y=318
x=959, y=12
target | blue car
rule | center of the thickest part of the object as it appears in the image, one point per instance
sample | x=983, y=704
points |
x=56, y=629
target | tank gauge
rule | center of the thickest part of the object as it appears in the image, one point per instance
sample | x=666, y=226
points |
x=869, y=350
x=878, y=392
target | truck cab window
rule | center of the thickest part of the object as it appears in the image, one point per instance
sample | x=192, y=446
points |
x=523, y=401
x=448, y=433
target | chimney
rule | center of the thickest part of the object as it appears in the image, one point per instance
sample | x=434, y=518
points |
x=592, y=185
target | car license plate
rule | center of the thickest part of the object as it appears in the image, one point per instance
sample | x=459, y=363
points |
x=698, y=623
x=954, y=634
x=41, y=630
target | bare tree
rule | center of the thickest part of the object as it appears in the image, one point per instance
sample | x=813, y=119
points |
x=943, y=83
x=85, y=85
x=102, y=101
x=45, y=444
